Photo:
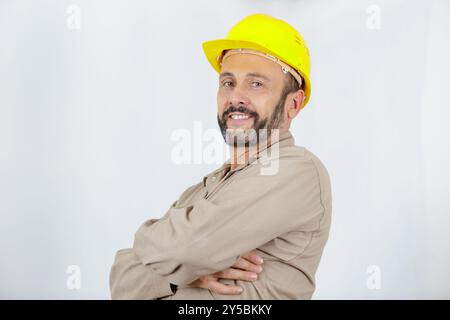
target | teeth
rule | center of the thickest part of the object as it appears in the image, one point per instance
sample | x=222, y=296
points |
x=239, y=116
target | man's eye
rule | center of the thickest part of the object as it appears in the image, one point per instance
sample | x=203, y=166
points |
x=256, y=84
x=227, y=83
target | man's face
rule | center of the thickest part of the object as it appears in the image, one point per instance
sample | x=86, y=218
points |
x=249, y=97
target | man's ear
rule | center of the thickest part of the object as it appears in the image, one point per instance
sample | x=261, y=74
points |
x=295, y=104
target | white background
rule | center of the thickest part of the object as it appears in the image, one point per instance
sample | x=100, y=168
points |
x=86, y=118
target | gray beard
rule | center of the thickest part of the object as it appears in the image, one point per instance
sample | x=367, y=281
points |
x=260, y=131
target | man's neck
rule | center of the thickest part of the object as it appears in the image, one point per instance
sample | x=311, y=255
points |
x=241, y=154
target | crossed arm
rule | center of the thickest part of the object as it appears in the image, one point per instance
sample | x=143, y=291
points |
x=130, y=279
x=199, y=244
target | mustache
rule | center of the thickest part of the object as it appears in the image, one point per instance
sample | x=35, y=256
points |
x=240, y=109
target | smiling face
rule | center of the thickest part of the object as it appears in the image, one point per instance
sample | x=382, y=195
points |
x=253, y=94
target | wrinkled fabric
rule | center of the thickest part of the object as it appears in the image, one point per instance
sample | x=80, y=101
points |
x=285, y=214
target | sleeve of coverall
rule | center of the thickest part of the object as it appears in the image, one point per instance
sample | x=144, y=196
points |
x=249, y=211
x=130, y=279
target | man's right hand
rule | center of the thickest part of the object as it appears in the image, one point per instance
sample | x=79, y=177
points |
x=246, y=268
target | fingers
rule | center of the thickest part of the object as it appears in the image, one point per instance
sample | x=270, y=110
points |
x=246, y=265
x=253, y=257
x=237, y=274
x=212, y=283
x=218, y=287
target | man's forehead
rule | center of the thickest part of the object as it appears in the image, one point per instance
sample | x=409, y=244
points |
x=252, y=74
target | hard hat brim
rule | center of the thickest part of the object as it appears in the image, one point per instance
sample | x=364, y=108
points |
x=214, y=48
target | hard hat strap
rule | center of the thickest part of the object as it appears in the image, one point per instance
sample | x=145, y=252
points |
x=284, y=67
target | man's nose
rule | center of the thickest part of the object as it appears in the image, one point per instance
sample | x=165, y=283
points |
x=237, y=97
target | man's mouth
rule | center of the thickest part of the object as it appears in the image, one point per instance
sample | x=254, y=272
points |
x=238, y=118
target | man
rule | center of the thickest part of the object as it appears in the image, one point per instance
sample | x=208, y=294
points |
x=256, y=227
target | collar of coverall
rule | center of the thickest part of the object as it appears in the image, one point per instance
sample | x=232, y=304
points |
x=284, y=139
x=284, y=67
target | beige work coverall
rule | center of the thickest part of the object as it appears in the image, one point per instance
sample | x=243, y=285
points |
x=285, y=216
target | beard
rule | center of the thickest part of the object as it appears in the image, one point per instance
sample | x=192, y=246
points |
x=259, y=132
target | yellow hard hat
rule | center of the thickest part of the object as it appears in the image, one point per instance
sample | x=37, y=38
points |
x=268, y=35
